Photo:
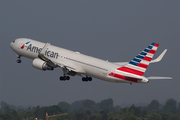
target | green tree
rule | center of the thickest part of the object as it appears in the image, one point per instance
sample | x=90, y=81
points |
x=1, y=115
x=64, y=106
x=131, y=117
x=8, y=116
x=37, y=111
x=14, y=113
x=124, y=111
x=117, y=108
x=54, y=109
x=3, y=104
x=79, y=115
x=153, y=106
x=76, y=105
x=137, y=112
x=95, y=108
x=7, y=109
x=95, y=117
x=29, y=115
x=13, y=107
x=88, y=112
x=87, y=105
x=175, y=117
x=64, y=117
x=106, y=105
x=20, y=108
x=104, y=115
x=170, y=106
x=144, y=113
x=155, y=116
x=132, y=109
x=164, y=116
x=179, y=106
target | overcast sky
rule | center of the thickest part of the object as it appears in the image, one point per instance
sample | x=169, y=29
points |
x=110, y=30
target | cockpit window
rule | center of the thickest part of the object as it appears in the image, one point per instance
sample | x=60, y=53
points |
x=14, y=41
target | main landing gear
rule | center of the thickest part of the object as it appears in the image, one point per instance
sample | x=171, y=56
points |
x=86, y=79
x=19, y=59
x=64, y=78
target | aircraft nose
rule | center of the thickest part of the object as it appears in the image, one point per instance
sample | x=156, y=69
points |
x=11, y=44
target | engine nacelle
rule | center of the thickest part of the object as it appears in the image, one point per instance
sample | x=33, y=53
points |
x=41, y=65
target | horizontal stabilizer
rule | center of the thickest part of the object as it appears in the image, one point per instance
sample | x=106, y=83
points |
x=160, y=57
x=158, y=78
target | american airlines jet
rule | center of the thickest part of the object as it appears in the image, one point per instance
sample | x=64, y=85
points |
x=47, y=57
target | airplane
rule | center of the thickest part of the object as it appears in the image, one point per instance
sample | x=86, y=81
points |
x=47, y=57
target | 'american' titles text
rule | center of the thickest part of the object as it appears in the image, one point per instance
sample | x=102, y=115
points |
x=47, y=52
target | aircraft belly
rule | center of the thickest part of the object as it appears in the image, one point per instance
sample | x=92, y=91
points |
x=102, y=75
x=115, y=80
x=96, y=73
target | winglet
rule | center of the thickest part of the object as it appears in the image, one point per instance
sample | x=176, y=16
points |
x=44, y=49
x=160, y=57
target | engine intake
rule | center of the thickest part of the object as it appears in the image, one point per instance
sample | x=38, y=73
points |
x=41, y=65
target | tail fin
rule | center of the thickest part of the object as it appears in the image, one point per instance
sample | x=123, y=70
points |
x=139, y=64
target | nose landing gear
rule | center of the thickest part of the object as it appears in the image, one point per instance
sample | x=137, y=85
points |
x=19, y=59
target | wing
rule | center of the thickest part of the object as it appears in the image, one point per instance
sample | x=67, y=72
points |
x=61, y=64
x=41, y=55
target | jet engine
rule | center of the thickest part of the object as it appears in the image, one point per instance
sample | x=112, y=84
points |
x=41, y=65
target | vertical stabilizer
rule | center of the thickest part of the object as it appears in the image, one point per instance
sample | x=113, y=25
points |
x=139, y=64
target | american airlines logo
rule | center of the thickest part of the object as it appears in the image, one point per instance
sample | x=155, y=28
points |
x=48, y=53
x=22, y=47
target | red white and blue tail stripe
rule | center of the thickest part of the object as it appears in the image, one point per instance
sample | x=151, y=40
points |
x=139, y=64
